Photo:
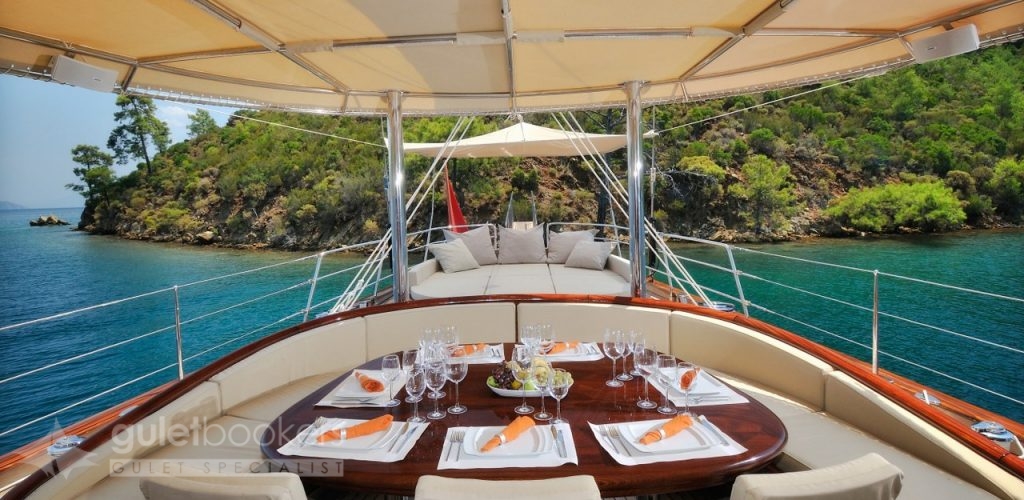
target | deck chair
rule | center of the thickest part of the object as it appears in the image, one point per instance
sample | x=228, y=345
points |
x=869, y=477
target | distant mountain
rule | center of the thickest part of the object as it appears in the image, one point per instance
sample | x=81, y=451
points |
x=6, y=205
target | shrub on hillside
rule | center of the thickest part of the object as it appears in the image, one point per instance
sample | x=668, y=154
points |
x=927, y=206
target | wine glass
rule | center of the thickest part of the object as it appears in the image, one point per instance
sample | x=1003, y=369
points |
x=389, y=370
x=559, y=388
x=415, y=384
x=522, y=368
x=436, y=375
x=627, y=348
x=530, y=337
x=410, y=358
x=612, y=346
x=665, y=370
x=638, y=343
x=435, y=352
x=542, y=379
x=450, y=337
x=646, y=360
x=456, y=372
x=687, y=373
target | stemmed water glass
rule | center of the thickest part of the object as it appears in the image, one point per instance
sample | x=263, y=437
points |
x=522, y=370
x=410, y=358
x=666, y=372
x=645, y=360
x=637, y=344
x=627, y=349
x=613, y=347
x=434, y=352
x=415, y=384
x=436, y=375
x=687, y=373
x=389, y=371
x=542, y=379
x=558, y=386
x=456, y=372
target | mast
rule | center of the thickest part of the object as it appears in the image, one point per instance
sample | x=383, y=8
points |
x=396, y=199
x=635, y=186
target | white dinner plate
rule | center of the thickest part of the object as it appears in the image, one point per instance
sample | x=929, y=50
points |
x=532, y=442
x=371, y=442
x=691, y=439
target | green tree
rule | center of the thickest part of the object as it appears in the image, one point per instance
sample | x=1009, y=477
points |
x=928, y=206
x=95, y=173
x=1007, y=187
x=769, y=197
x=201, y=123
x=137, y=128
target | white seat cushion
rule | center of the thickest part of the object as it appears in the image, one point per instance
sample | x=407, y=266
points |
x=271, y=486
x=562, y=488
x=869, y=477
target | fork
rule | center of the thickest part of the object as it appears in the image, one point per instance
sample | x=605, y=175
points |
x=614, y=440
x=614, y=433
x=316, y=423
x=456, y=440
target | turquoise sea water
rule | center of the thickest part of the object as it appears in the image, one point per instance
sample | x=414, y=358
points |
x=45, y=271
x=49, y=270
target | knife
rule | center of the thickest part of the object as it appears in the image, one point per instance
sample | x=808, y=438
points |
x=714, y=430
x=405, y=428
x=559, y=441
x=405, y=437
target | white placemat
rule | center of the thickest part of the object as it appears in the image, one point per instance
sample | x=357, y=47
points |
x=706, y=391
x=350, y=394
x=538, y=448
x=702, y=440
x=584, y=351
x=391, y=445
x=492, y=354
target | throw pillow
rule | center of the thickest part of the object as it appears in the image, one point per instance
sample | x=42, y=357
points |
x=521, y=247
x=560, y=245
x=479, y=243
x=453, y=256
x=589, y=255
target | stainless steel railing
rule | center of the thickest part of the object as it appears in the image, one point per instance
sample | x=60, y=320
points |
x=767, y=302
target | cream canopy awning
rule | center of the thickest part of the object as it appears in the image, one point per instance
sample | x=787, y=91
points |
x=478, y=56
x=524, y=140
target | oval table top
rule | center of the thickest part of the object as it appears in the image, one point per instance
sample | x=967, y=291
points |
x=750, y=424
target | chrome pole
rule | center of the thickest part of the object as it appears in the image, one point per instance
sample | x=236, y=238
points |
x=874, y=328
x=312, y=286
x=736, y=278
x=635, y=186
x=396, y=199
x=177, y=334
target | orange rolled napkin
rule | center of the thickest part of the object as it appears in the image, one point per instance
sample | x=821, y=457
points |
x=561, y=346
x=363, y=429
x=686, y=381
x=518, y=426
x=671, y=428
x=369, y=383
x=471, y=348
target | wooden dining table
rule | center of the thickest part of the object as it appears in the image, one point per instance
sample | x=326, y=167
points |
x=750, y=424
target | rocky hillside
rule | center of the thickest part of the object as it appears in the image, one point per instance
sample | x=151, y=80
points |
x=766, y=172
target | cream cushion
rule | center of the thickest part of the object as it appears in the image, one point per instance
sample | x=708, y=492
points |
x=563, y=488
x=560, y=245
x=869, y=477
x=521, y=247
x=479, y=243
x=453, y=256
x=589, y=255
x=269, y=486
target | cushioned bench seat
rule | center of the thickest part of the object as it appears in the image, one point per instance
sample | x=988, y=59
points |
x=427, y=281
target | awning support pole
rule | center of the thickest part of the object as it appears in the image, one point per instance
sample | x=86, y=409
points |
x=396, y=199
x=634, y=161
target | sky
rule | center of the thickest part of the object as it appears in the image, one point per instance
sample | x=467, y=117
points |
x=41, y=122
